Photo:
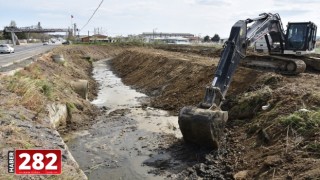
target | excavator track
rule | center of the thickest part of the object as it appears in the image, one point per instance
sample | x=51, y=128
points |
x=312, y=61
x=281, y=64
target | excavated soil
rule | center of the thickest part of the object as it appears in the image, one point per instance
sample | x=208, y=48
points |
x=174, y=79
x=273, y=125
x=210, y=50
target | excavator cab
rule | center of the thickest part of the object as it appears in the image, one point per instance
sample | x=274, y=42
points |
x=300, y=38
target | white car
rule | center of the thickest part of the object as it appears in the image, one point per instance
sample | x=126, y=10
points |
x=6, y=48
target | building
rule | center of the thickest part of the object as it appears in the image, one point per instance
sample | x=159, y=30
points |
x=96, y=38
x=151, y=36
x=173, y=40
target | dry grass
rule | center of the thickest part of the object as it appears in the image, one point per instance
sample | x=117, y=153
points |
x=16, y=137
x=32, y=86
x=33, y=92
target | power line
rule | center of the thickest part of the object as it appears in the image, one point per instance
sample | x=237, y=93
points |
x=92, y=15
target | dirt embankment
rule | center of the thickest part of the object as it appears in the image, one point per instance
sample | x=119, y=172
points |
x=24, y=96
x=173, y=80
x=274, y=120
x=210, y=51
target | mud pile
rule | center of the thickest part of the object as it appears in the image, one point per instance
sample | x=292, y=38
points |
x=274, y=120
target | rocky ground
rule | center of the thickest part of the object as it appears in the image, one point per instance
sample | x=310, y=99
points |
x=279, y=141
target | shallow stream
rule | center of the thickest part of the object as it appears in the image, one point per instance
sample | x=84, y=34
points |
x=125, y=136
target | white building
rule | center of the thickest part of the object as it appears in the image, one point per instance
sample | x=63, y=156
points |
x=174, y=40
x=151, y=36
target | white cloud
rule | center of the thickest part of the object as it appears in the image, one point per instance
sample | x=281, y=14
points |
x=213, y=2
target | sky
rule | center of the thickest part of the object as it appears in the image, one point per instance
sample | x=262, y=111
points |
x=124, y=17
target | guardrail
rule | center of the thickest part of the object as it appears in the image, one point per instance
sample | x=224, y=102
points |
x=34, y=30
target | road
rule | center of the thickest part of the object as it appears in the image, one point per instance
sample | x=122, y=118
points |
x=24, y=52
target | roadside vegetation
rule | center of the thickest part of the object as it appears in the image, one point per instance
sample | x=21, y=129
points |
x=27, y=95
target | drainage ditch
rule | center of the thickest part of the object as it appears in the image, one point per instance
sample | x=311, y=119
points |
x=126, y=136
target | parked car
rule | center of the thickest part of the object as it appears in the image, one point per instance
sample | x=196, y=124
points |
x=6, y=48
x=66, y=42
x=45, y=43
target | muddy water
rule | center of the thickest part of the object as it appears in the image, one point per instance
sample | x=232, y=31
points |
x=125, y=136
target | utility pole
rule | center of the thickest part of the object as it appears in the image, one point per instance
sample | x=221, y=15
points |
x=74, y=29
x=153, y=33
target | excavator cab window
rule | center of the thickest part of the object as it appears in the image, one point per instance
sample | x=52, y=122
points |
x=301, y=36
x=297, y=36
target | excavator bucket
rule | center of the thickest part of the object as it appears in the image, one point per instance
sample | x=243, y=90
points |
x=202, y=126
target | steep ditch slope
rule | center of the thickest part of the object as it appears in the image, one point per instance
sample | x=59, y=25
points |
x=173, y=79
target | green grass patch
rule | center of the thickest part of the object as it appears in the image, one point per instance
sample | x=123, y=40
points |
x=46, y=88
x=304, y=122
x=28, y=145
x=250, y=103
x=25, y=85
x=22, y=117
x=314, y=98
x=313, y=147
x=70, y=108
x=88, y=58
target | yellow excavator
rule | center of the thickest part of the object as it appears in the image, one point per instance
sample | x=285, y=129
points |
x=204, y=124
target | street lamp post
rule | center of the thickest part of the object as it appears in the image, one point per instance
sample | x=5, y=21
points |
x=199, y=37
x=153, y=33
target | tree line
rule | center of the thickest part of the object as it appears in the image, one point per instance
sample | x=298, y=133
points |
x=215, y=38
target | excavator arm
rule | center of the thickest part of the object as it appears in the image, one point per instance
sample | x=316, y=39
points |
x=204, y=124
x=235, y=49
